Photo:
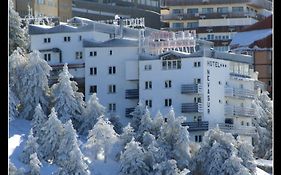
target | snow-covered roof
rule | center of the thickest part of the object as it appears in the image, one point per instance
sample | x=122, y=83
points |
x=111, y=43
x=244, y=39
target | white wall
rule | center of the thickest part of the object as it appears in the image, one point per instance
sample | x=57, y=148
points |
x=226, y=22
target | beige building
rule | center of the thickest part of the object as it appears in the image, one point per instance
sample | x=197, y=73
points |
x=214, y=20
x=52, y=8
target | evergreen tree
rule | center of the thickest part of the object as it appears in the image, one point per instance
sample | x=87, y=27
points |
x=169, y=168
x=245, y=152
x=31, y=146
x=70, y=157
x=101, y=138
x=233, y=165
x=133, y=160
x=115, y=121
x=137, y=114
x=67, y=101
x=52, y=135
x=13, y=103
x=92, y=112
x=145, y=125
x=158, y=122
x=14, y=171
x=263, y=124
x=35, y=85
x=34, y=164
x=18, y=36
x=174, y=138
x=38, y=121
x=127, y=134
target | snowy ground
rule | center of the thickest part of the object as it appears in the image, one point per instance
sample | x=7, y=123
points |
x=19, y=130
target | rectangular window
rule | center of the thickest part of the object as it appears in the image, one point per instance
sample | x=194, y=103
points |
x=112, y=88
x=111, y=69
x=176, y=25
x=148, y=103
x=199, y=64
x=112, y=107
x=93, y=89
x=192, y=24
x=171, y=64
x=110, y=52
x=47, y=57
x=195, y=64
x=95, y=53
x=196, y=138
x=147, y=67
x=148, y=85
x=93, y=71
x=78, y=55
x=91, y=54
x=80, y=38
x=168, y=84
x=197, y=80
x=237, y=9
x=67, y=39
x=168, y=102
x=192, y=11
x=207, y=10
x=177, y=11
x=222, y=9
x=47, y=40
x=199, y=138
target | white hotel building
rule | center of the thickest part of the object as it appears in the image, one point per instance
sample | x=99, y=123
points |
x=124, y=65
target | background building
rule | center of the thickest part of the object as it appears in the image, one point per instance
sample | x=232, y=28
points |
x=256, y=40
x=213, y=20
x=105, y=10
x=51, y=8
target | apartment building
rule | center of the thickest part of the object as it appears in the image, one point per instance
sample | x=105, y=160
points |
x=50, y=8
x=214, y=20
x=107, y=10
x=161, y=69
x=256, y=40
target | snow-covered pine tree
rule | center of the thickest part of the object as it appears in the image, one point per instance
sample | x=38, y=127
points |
x=69, y=155
x=38, y=121
x=13, y=169
x=91, y=114
x=169, y=168
x=115, y=121
x=18, y=36
x=31, y=146
x=245, y=152
x=233, y=165
x=263, y=124
x=158, y=122
x=51, y=137
x=127, y=134
x=133, y=160
x=145, y=125
x=137, y=114
x=174, y=138
x=101, y=139
x=34, y=164
x=66, y=100
x=13, y=103
x=35, y=85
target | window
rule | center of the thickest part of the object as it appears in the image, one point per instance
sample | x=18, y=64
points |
x=93, y=53
x=47, y=40
x=148, y=85
x=237, y=9
x=196, y=138
x=168, y=84
x=176, y=25
x=192, y=24
x=222, y=9
x=47, y=57
x=112, y=88
x=177, y=11
x=112, y=107
x=242, y=123
x=197, y=64
x=171, y=64
x=199, y=118
x=147, y=67
x=228, y=121
x=78, y=55
x=192, y=10
x=93, y=89
x=67, y=39
x=148, y=103
x=93, y=71
x=197, y=80
x=40, y=1
x=80, y=38
x=197, y=99
x=168, y=102
x=248, y=124
x=200, y=138
x=207, y=10
x=110, y=52
x=111, y=69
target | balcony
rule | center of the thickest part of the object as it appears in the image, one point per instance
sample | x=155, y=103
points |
x=240, y=130
x=191, y=88
x=197, y=126
x=128, y=112
x=239, y=93
x=132, y=94
x=231, y=110
x=191, y=107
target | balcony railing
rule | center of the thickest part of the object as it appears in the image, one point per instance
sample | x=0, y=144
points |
x=128, y=112
x=216, y=15
x=197, y=126
x=191, y=88
x=231, y=110
x=240, y=130
x=132, y=94
x=239, y=75
x=191, y=107
x=239, y=93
